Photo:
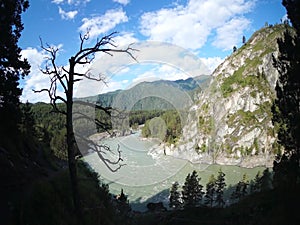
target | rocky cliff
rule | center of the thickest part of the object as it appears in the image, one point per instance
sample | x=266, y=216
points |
x=230, y=122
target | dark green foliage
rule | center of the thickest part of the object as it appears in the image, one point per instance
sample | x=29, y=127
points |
x=255, y=186
x=122, y=207
x=50, y=128
x=27, y=125
x=266, y=180
x=141, y=116
x=12, y=67
x=210, y=194
x=172, y=127
x=244, y=40
x=240, y=189
x=174, y=199
x=192, y=190
x=220, y=185
x=286, y=108
x=293, y=11
x=59, y=145
x=50, y=201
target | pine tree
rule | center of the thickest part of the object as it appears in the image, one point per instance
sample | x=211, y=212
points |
x=192, y=190
x=244, y=40
x=240, y=189
x=255, y=186
x=220, y=185
x=122, y=204
x=210, y=191
x=27, y=126
x=12, y=67
x=266, y=180
x=175, y=201
x=245, y=185
x=286, y=113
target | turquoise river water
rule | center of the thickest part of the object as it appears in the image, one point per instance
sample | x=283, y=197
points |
x=145, y=178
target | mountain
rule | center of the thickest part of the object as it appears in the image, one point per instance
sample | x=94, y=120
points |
x=157, y=95
x=231, y=120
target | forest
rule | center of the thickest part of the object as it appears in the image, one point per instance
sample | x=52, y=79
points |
x=45, y=181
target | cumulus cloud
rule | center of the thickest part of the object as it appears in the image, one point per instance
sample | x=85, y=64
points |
x=70, y=2
x=124, y=39
x=36, y=80
x=67, y=15
x=98, y=25
x=230, y=34
x=212, y=62
x=190, y=25
x=123, y=2
x=57, y=1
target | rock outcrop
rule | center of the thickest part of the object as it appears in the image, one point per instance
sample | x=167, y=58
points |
x=231, y=120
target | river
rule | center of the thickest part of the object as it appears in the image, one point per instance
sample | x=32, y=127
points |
x=146, y=178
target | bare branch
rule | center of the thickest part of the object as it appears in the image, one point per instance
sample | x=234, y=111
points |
x=102, y=150
x=86, y=55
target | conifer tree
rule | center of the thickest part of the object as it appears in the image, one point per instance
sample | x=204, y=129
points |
x=255, y=185
x=12, y=67
x=266, y=180
x=210, y=194
x=220, y=185
x=240, y=189
x=244, y=40
x=192, y=190
x=286, y=108
x=175, y=201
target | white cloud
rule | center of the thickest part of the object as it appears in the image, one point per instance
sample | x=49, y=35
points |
x=190, y=25
x=57, y=1
x=101, y=24
x=70, y=2
x=123, y=2
x=212, y=62
x=124, y=39
x=231, y=33
x=36, y=80
x=67, y=15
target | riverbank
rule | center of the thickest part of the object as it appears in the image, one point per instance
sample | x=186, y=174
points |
x=221, y=158
x=192, y=156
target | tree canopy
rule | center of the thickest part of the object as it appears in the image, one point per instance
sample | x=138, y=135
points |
x=286, y=108
x=12, y=66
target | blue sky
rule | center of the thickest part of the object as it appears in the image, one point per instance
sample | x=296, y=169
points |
x=207, y=28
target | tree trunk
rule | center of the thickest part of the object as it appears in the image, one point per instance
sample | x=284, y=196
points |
x=71, y=144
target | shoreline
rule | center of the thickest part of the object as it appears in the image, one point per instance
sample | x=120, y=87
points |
x=160, y=148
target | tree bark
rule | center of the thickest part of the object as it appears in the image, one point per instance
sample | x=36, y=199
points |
x=71, y=144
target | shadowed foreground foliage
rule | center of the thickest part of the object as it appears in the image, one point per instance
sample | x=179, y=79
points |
x=49, y=201
x=271, y=207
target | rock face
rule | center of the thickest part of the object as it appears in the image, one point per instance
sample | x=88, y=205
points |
x=231, y=120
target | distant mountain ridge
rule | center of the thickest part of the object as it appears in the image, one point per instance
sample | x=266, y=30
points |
x=157, y=94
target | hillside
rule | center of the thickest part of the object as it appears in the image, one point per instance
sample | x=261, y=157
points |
x=156, y=95
x=231, y=120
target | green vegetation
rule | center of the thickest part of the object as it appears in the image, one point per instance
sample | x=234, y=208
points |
x=286, y=114
x=172, y=127
x=239, y=80
x=175, y=200
x=192, y=190
x=206, y=124
x=51, y=199
x=37, y=188
x=210, y=191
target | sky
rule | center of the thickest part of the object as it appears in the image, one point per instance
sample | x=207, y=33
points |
x=179, y=32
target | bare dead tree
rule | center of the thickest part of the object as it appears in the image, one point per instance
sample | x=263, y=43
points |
x=63, y=79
